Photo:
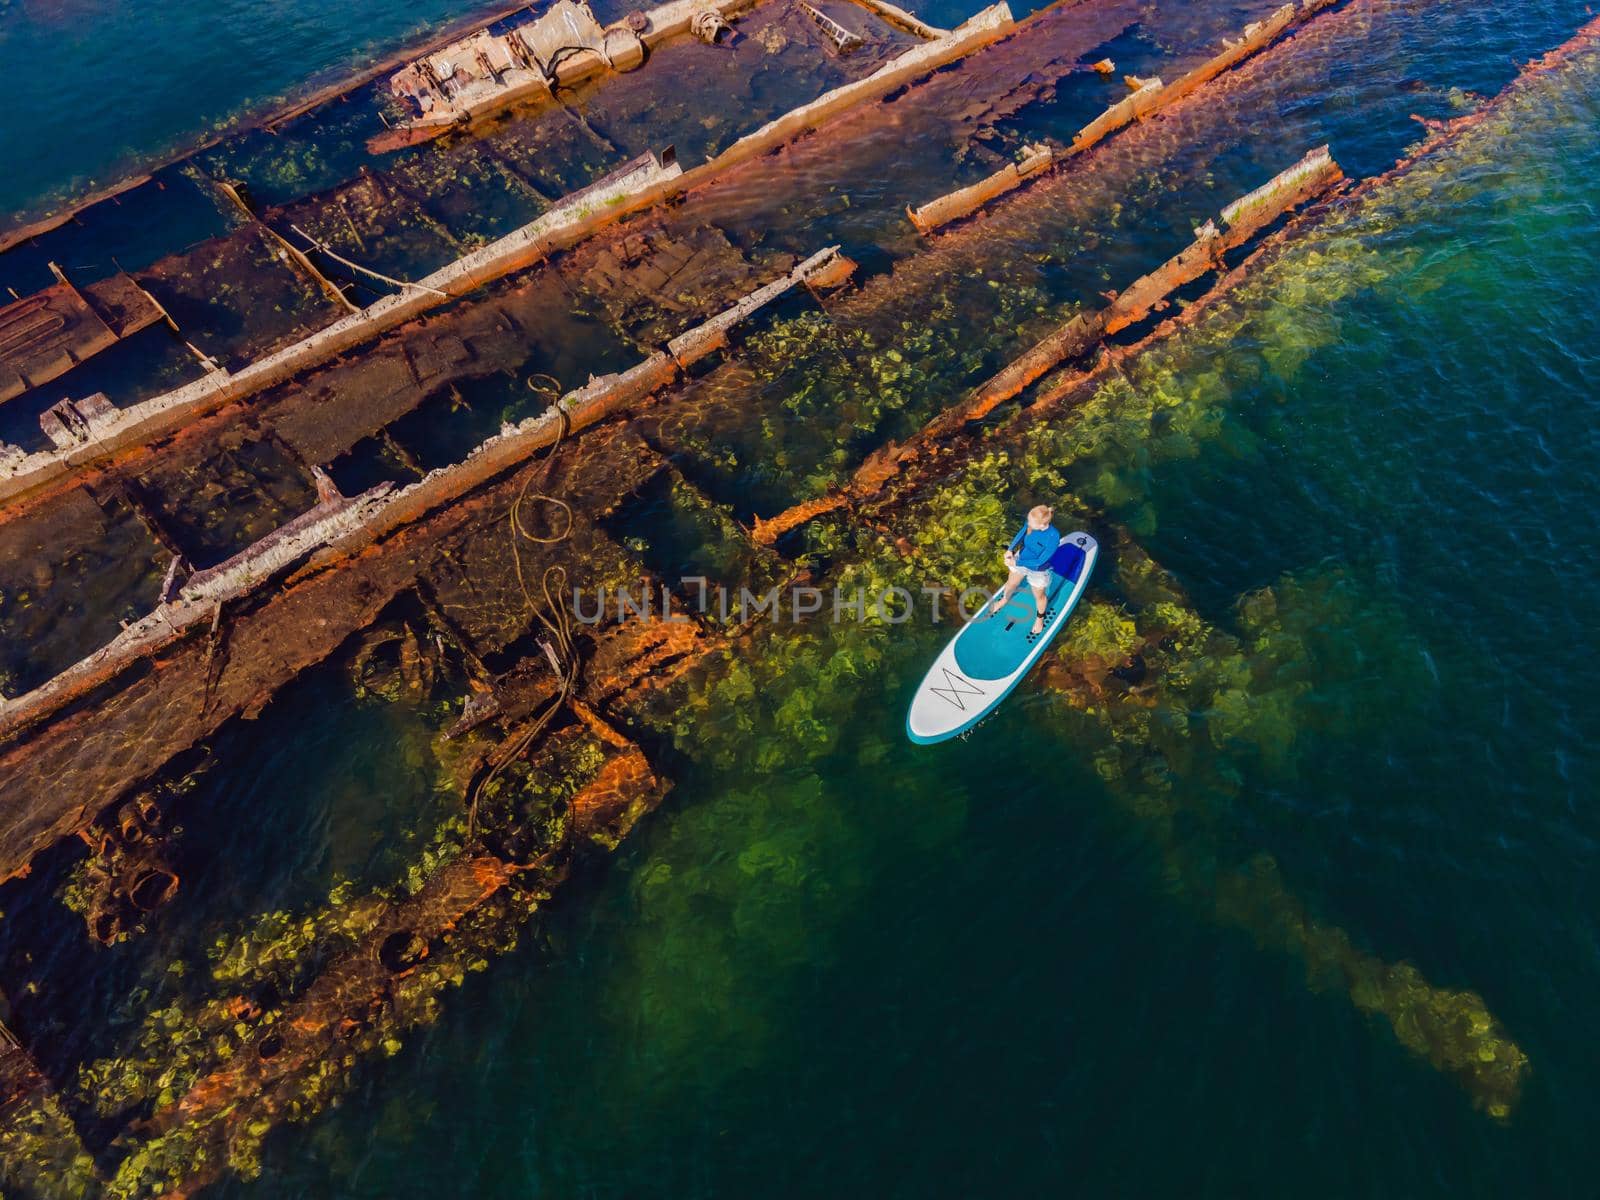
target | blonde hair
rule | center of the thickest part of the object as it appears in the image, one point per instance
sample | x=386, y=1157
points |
x=1041, y=512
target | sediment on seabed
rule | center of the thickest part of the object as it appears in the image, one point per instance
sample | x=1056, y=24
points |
x=554, y=739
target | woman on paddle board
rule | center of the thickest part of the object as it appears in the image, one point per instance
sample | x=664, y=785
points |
x=1028, y=557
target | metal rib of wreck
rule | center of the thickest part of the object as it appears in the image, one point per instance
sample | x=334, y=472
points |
x=643, y=182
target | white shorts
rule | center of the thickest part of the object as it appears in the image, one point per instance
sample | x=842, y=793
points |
x=1038, y=580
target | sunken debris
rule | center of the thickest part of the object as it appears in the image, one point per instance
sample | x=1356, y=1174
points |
x=288, y=1013
x=190, y=612
x=45, y=335
x=1313, y=176
x=645, y=181
x=1148, y=97
x=487, y=72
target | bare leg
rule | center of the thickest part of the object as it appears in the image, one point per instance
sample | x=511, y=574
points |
x=1040, y=602
x=1012, y=584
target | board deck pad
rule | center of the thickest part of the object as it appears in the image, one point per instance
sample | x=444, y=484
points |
x=991, y=653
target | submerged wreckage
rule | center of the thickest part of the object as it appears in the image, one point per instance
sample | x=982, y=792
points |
x=336, y=506
x=490, y=71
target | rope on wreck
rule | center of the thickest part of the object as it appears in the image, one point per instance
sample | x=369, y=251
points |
x=552, y=614
x=402, y=284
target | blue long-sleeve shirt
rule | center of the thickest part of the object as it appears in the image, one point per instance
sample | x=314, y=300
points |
x=1036, y=546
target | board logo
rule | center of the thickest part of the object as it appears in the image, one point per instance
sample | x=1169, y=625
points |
x=956, y=687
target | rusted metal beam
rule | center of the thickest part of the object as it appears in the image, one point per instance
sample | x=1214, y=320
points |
x=894, y=15
x=1033, y=160
x=842, y=39
x=235, y=199
x=173, y=620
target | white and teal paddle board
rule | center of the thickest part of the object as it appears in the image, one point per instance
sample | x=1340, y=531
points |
x=990, y=655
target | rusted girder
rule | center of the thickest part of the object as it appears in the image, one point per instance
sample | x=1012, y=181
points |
x=1312, y=176
x=842, y=39
x=195, y=606
x=901, y=19
x=1033, y=160
x=231, y=193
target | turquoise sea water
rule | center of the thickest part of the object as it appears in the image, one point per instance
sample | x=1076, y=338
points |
x=837, y=964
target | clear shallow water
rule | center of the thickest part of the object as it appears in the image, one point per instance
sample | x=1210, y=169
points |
x=867, y=970
x=832, y=963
